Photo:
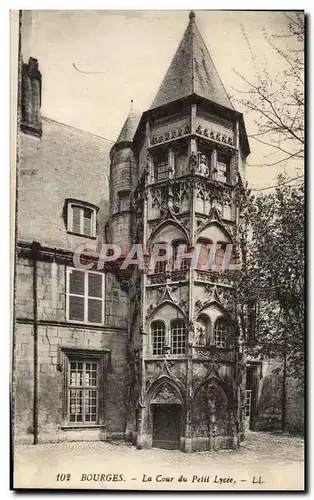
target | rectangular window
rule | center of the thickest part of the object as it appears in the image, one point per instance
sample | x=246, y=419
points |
x=223, y=167
x=220, y=335
x=83, y=390
x=158, y=334
x=81, y=220
x=178, y=338
x=248, y=400
x=181, y=162
x=124, y=200
x=85, y=296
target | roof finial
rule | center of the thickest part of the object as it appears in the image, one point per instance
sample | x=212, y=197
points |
x=192, y=15
x=131, y=109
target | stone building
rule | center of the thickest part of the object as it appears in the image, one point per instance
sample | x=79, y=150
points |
x=151, y=355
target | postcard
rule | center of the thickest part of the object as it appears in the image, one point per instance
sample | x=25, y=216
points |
x=158, y=233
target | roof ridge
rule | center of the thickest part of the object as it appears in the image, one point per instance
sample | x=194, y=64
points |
x=47, y=118
x=214, y=65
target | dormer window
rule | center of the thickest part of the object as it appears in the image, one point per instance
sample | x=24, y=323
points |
x=81, y=218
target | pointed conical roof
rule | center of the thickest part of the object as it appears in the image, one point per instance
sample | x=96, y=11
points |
x=192, y=71
x=129, y=128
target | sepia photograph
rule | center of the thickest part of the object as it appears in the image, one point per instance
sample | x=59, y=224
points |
x=158, y=255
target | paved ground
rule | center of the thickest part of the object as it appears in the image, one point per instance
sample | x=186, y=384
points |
x=264, y=461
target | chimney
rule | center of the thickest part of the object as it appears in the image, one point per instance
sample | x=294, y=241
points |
x=31, y=98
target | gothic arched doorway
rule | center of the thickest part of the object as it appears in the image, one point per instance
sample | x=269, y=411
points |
x=166, y=426
x=166, y=416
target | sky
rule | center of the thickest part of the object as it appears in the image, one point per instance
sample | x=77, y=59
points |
x=128, y=54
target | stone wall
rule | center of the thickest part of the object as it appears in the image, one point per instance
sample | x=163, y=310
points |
x=54, y=333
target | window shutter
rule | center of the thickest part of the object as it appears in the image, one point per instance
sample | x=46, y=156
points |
x=87, y=222
x=76, y=221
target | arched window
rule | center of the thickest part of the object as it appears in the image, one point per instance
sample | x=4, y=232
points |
x=185, y=263
x=161, y=265
x=205, y=259
x=202, y=330
x=226, y=254
x=220, y=255
x=178, y=337
x=158, y=337
x=220, y=333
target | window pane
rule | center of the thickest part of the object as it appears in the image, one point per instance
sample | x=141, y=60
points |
x=220, y=335
x=87, y=222
x=90, y=406
x=94, y=310
x=178, y=338
x=91, y=375
x=76, y=374
x=94, y=285
x=76, y=309
x=76, y=406
x=83, y=402
x=77, y=282
x=158, y=334
x=76, y=226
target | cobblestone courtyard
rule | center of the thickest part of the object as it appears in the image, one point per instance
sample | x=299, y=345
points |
x=264, y=461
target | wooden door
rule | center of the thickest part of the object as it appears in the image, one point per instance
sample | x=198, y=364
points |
x=166, y=426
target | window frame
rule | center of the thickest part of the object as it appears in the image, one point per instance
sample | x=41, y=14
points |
x=219, y=163
x=85, y=296
x=164, y=344
x=221, y=322
x=123, y=196
x=102, y=357
x=84, y=390
x=175, y=324
x=71, y=203
x=161, y=159
x=180, y=151
x=185, y=263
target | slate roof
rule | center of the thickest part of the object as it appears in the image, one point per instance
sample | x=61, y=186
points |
x=192, y=71
x=129, y=128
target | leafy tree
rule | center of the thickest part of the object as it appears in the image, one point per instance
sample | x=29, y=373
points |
x=272, y=287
